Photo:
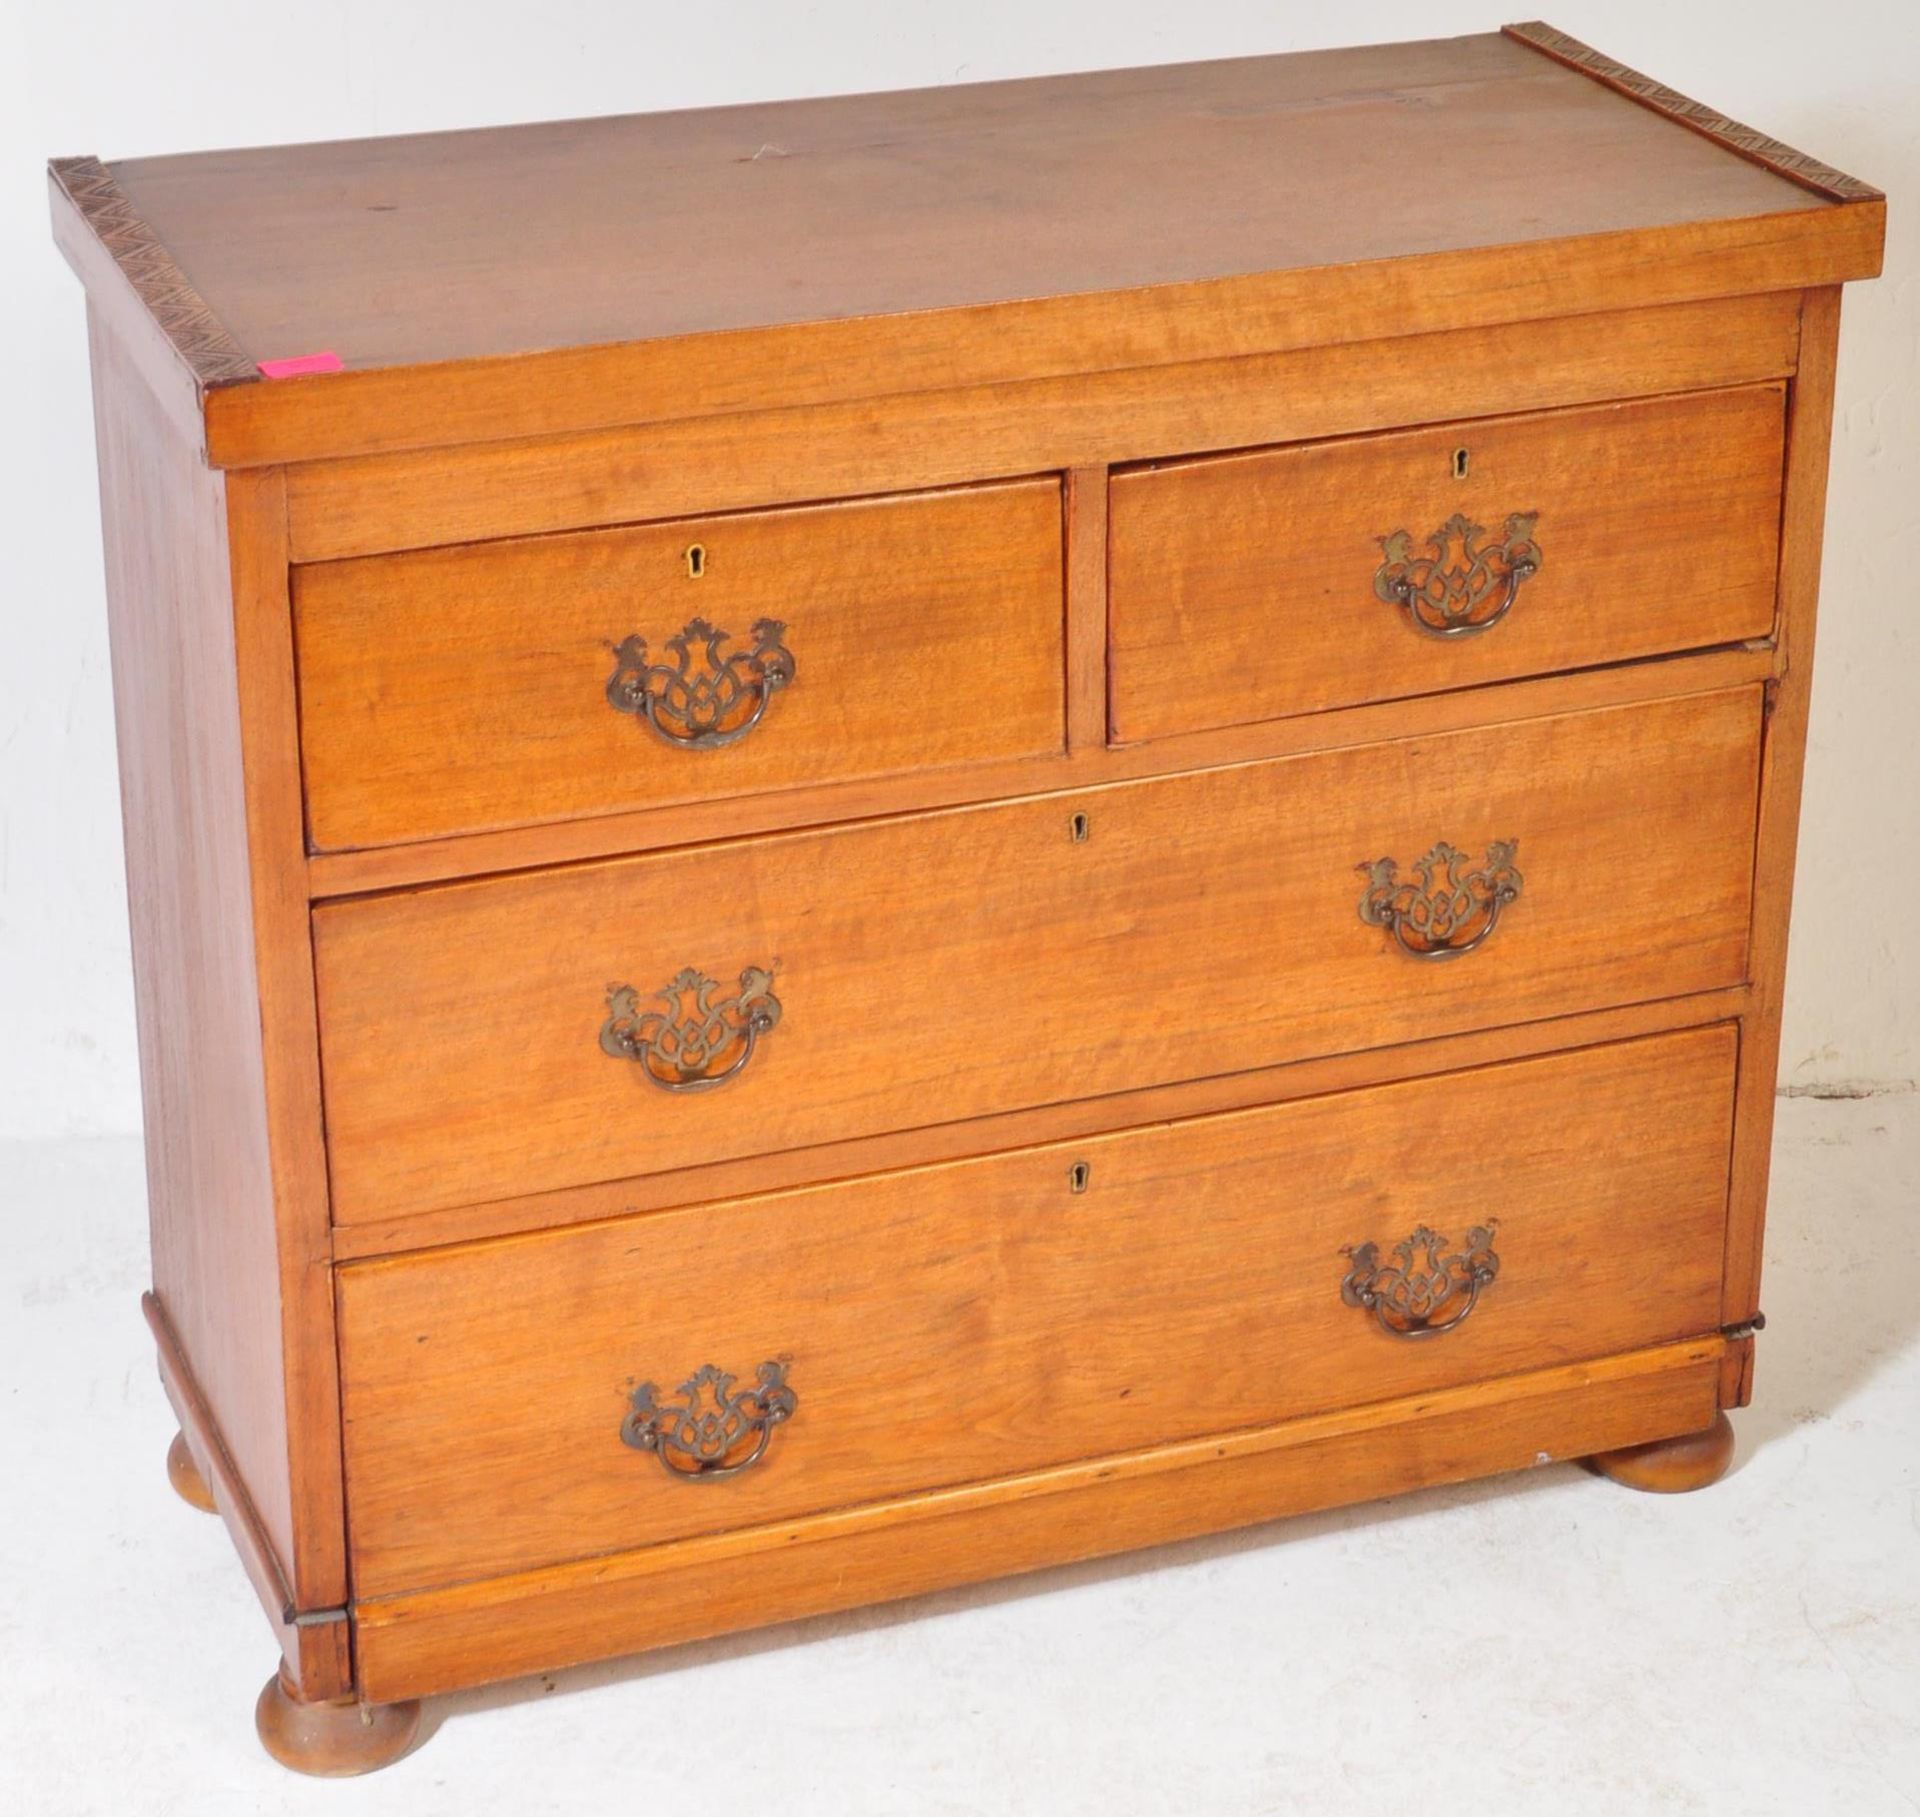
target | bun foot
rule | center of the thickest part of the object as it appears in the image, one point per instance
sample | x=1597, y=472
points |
x=184, y=1474
x=1670, y=1466
x=332, y=1740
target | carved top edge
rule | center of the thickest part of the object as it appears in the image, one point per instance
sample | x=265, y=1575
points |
x=1745, y=141
x=199, y=336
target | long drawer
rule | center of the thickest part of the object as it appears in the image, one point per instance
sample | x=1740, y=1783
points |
x=487, y=1039
x=1289, y=580
x=454, y=690
x=544, y=1395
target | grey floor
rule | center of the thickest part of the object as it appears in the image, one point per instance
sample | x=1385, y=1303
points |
x=1549, y=1643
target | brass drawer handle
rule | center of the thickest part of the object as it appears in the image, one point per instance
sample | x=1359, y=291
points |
x=1445, y=918
x=1412, y=1299
x=711, y=1430
x=693, y=1043
x=701, y=700
x=1445, y=594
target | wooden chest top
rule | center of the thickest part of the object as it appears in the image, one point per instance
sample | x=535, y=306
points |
x=840, y=247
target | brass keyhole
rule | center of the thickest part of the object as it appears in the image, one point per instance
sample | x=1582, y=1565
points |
x=1078, y=1175
x=1079, y=828
x=1460, y=463
x=696, y=559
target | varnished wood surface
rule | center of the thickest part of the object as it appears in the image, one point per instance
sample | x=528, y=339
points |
x=1803, y=526
x=1758, y=147
x=953, y=236
x=467, y=689
x=1161, y=267
x=118, y=307
x=412, y=1645
x=1086, y=551
x=454, y=246
x=332, y=1739
x=290, y=1061
x=534, y=487
x=190, y=902
x=1191, y=1285
x=1422, y=1058
x=1671, y=1466
x=911, y=438
x=863, y=361
x=1242, y=586
x=334, y=874
x=88, y=198
x=952, y=965
x=314, y=1654
x=196, y=589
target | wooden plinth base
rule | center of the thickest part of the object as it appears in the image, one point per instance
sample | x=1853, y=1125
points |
x=1671, y=1466
x=332, y=1740
x=184, y=1474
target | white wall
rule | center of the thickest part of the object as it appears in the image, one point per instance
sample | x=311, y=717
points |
x=119, y=79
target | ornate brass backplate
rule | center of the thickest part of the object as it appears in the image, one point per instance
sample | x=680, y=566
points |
x=1427, y=1291
x=712, y=1430
x=1460, y=589
x=702, y=699
x=1450, y=909
x=694, y=1041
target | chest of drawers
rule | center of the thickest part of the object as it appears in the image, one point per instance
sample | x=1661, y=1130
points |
x=877, y=841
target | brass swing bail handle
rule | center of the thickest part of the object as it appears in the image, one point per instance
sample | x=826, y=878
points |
x=702, y=696
x=688, y=1037
x=1429, y=1288
x=709, y=1429
x=1461, y=587
x=1449, y=906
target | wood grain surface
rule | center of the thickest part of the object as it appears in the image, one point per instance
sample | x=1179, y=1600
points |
x=466, y=689
x=1415, y=1059
x=1758, y=147
x=1243, y=585
x=1191, y=1285
x=762, y=455
x=334, y=874
x=412, y=1644
x=190, y=902
x=452, y=246
x=1803, y=528
x=1058, y=423
x=538, y=279
x=314, y=1653
x=224, y=1012
x=952, y=965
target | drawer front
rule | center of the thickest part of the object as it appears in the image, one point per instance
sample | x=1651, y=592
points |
x=456, y=690
x=522, y=1401
x=486, y=1039
x=1290, y=580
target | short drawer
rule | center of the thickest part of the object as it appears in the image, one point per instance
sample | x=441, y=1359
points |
x=456, y=690
x=538, y=1398
x=512, y=1035
x=1292, y=580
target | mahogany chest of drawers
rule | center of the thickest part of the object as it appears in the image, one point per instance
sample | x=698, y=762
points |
x=881, y=840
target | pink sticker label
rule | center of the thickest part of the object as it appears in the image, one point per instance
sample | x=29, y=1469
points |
x=302, y=364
